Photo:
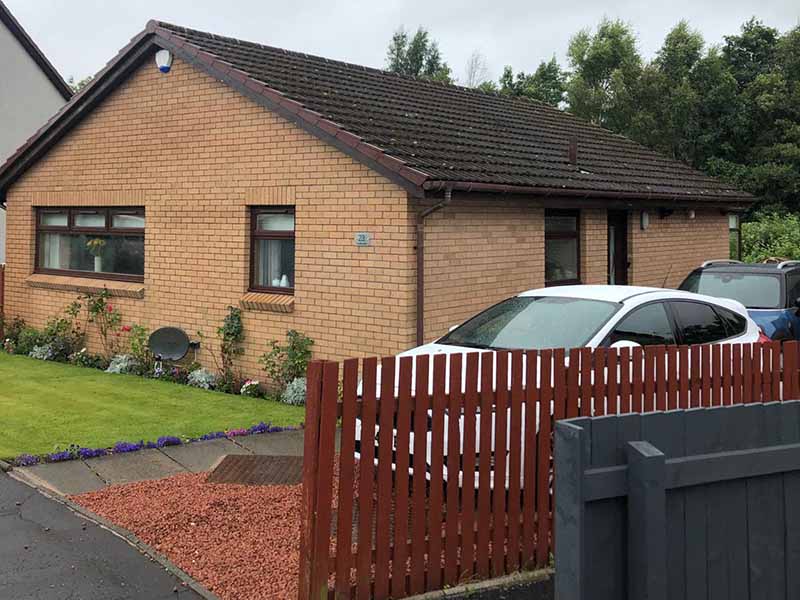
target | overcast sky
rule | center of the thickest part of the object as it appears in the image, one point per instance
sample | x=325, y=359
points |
x=80, y=36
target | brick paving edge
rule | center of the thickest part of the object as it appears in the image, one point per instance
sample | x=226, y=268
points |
x=464, y=590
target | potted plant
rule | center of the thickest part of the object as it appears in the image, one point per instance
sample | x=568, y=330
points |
x=95, y=247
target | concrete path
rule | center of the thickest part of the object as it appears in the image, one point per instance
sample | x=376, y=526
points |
x=47, y=552
x=79, y=476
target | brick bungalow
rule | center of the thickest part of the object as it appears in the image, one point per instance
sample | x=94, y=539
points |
x=369, y=210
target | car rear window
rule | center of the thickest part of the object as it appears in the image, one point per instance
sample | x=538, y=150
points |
x=754, y=290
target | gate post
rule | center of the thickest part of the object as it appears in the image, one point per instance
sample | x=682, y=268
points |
x=647, y=522
x=571, y=443
x=310, y=456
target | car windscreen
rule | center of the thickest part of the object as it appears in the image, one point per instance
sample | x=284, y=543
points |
x=534, y=323
x=754, y=290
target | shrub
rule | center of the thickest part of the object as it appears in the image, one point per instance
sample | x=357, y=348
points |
x=28, y=338
x=139, y=349
x=231, y=336
x=202, y=378
x=43, y=352
x=64, y=334
x=295, y=392
x=11, y=329
x=122, y=363
x=286, y=363
x=83, y=358
x=251, y=388
x=771, y=235
x=106, y=318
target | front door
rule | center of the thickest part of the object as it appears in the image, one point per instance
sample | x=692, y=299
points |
x=618, y=247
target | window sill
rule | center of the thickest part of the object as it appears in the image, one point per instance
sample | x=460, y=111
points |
x=119, y=289
x=279, y=303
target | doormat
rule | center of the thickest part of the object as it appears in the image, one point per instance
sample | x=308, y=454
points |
x=258, y=470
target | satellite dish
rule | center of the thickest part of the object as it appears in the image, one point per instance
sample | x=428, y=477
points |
x=169, y=343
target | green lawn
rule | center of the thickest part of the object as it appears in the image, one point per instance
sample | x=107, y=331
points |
x=45, y=406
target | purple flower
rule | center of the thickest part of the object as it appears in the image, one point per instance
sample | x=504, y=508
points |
x=214, y=435
x=122, y=447
x=168, y=440
x=60, y=456
x=26, y=460
x=265, y=428
x=91, y=452
x=237, y=432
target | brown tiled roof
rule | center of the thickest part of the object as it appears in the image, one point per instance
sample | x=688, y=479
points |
x=426, y=135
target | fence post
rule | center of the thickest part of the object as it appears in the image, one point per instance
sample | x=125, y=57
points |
x=570, y=462
x=647, y=522
x=310, y=455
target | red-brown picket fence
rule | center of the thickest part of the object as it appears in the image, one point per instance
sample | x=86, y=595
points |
x=370, y=533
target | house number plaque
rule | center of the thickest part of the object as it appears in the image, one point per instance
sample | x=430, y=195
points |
x=363, y=238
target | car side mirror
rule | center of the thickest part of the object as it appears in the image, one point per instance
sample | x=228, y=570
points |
x=625, y=344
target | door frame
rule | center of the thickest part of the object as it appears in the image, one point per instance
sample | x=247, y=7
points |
x=618, y=261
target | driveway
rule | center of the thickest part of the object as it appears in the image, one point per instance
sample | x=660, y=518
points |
x=47, y=552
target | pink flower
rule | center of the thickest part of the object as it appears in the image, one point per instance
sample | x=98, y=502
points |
x=126, y=328
x=110, y=308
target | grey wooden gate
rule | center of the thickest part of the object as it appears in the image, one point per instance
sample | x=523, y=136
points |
x=695, y=504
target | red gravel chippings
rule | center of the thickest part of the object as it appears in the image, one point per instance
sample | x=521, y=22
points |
x=241, y=542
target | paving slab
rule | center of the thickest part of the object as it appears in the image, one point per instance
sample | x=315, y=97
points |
x=135, y=466
x=70, y=477
x=202, y=456
x=282, y=443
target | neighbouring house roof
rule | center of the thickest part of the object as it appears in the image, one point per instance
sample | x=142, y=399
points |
x=427, y=136
x=34, y=52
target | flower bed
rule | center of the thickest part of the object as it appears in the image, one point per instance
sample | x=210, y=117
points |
x=126, y=350
x=75, y=452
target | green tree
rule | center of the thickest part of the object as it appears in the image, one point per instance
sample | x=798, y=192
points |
x=546, y=84
x=752, y=52
x=77, y=86
x=417, y=56
x=606, y=66
x=665, y=105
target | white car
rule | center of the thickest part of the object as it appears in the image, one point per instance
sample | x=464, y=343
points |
x=592, y=316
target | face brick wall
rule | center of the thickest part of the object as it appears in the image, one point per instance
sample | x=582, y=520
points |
x=667, y=251
x=476, y=254
x=196, y=153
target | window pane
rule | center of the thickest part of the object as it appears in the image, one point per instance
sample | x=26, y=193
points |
x=90, y=220
x=274, y=263
x=754, y=290
x=92, y=253
x=560, y=260
x=647, y=326
x=127, y=221
x=793, y=285
x=54, y=219
x=735, y=250
x=699, y=323
x=735, y=322
x=529, y=322
x=560, y=223
x=275, y=222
